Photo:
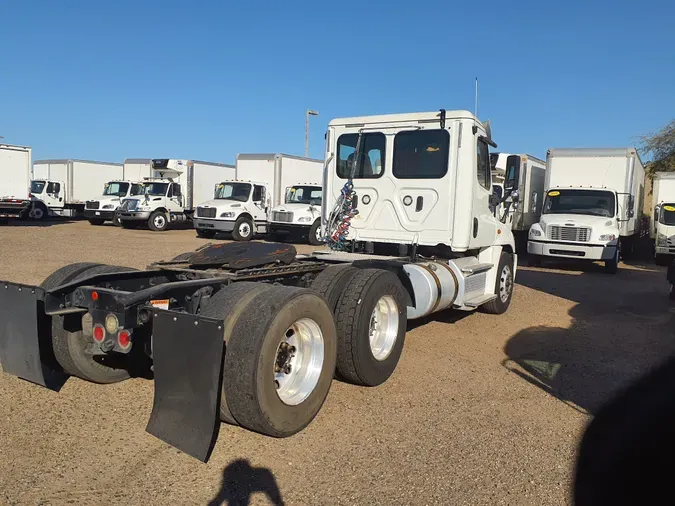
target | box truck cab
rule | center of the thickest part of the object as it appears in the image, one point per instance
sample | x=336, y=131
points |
x=104, y=208
x=589, y=208
x=300, y=214
x=169, y=195
x=239, y=207
x=662, y=229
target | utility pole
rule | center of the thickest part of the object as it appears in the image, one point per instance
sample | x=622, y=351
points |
x=308, y=113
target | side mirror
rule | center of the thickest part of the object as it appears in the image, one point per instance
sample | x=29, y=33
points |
x=515, y=197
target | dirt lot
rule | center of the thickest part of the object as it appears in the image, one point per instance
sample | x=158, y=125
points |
x=481, y=410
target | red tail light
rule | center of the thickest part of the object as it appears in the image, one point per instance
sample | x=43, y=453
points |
x=98, y=334
x=124, y=339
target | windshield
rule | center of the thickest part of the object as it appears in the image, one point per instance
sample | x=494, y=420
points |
x=304, y=195
x=667, y=215
x=37, y=186
x=157, y=189
x=590, y=202
x=233, y=191
x=119, y=189
x=136, y=189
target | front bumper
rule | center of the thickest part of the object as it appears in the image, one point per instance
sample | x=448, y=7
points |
x=289, y=228
x=214, y=224
x=571, y=250
x=106, y=214
x=134, y=215
x=665, y=250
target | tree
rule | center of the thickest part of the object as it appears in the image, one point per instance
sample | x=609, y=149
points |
x=660, y=147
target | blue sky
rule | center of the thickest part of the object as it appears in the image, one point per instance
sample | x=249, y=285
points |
x=210, y=79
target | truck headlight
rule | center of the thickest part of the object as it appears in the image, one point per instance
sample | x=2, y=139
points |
x=304, y=219
x=108, y=206
x=228, y=214
x=661, y=239
x=534, y=232
x=607, y=237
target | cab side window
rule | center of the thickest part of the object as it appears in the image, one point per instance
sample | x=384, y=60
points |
x=53, y=187
x=483, y=164
x=257, y=193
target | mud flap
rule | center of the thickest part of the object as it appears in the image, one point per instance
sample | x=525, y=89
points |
x=25, y=337
x=187, y=355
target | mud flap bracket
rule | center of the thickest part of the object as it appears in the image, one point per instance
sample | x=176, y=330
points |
x=187, y=355
x=25, y=336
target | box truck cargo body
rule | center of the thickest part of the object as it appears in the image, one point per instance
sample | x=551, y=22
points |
x=104, y=207
x=243, y=205
x=15, y=164
x=662, y=229
x=170, y=194
x=592, y=205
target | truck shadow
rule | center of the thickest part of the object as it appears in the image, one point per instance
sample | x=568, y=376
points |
x=241, y=481
x=622, y=326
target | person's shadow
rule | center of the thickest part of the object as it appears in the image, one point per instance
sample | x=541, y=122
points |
x=240, y=481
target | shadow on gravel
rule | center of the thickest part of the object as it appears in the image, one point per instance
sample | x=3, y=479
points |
x=622, y=327
x=241, y=481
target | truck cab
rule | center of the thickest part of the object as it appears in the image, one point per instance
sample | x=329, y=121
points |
x=160, y=203
x=239, y=207
x=664, y=232
x=104, y=208
x=300, y=214
x=45, y=194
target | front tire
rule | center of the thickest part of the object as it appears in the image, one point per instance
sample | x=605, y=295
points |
x=612, y=265
x=116, y=220
x=660, y=259
x=39, y=212
x=243, y=229
x=315, y=238
x=158, y=221
x=503, y=286
x=371, y=319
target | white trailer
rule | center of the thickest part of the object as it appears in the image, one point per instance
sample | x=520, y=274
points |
x=170, y=195
x=62, y=187
x=590, y=205
x=523, y=178
x=662, y=229
x=243, y=206
x=14, y=180
x=104, y=207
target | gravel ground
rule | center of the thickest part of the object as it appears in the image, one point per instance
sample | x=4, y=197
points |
x=481, y=410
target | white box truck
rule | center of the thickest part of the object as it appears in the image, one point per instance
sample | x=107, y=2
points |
x=170, y=195
x=14, y=181
x=62, y=187
x=594, y=198
x=257, y=333
x=243, y=206
x=104, y=208
x=662, y=229
x=519, y=187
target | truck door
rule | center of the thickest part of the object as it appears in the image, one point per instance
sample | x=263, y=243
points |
x=53, y=196
x=259, y=200
x=484, y=226
x=175, y=198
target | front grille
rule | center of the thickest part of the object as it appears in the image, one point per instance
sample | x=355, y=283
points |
x=206, y=212
x=129, y=205
x=567, y=252
x=283, y=216
x=92, y=204
x=574, y=234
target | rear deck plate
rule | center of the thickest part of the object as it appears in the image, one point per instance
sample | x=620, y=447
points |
x=244, y=255
x=188, y=364
x=25, y=336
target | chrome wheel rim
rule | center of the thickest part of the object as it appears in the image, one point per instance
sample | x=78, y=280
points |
x=244, y=229
x=383, y=330
x=318, y=234
x=160, y=221
x=299, y=362
x=505, y=283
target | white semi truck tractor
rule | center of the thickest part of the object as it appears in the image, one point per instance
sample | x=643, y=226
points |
x=662, y=229
x=104, y=207
x=243, y=205
x=592, y=206
x=171, y=194
x=253, y=333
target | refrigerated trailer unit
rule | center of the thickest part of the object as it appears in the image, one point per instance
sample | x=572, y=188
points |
x=253, y=333
x=172, y=192
x=249, y=205
x=62, y=187
x=662, y=229
x=104, y=207
x=592, y=208
x=15, y=164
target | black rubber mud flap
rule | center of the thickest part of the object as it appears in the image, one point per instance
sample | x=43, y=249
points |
x=187, y=354
x=25, y=337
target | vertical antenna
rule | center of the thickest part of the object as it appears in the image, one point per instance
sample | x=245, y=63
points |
x=475, y=110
